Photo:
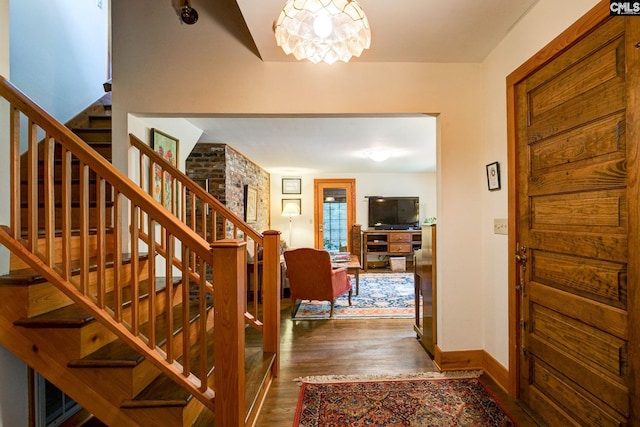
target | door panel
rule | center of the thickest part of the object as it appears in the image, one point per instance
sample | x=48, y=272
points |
x=573, y=228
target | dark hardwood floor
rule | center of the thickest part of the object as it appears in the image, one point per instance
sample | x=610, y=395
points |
x=344, y=347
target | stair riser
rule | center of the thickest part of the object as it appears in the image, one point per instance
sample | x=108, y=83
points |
x=29, y=346
x=45, y=297
x=75, y=192
x=179, y=415
x=94, y=135
x=152, y=417
x=134, y=380
x=160, y=304
x=57, y=170
x=82, y=341
x=100, y=121
x=98, y=139
x=74, y=241
x=75, y=218
x=175, y=415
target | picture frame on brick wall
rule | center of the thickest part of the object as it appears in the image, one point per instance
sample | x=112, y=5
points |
x=250, y=203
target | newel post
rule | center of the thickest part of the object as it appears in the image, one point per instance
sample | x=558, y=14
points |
x=229, y=284
x=272, y=282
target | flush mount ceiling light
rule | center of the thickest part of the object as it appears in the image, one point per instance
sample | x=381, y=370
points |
x=323, y=30
x=379, y=155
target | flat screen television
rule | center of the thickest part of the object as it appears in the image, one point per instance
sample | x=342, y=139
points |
x=394, y=213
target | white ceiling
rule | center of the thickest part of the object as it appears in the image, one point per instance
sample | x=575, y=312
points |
x=402, y=31
x=298, y=145
x=408, y=30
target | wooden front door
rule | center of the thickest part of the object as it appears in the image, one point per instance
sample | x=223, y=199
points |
x=334, y=213
x=576, y=252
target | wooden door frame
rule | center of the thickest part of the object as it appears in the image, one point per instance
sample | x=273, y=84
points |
x=580, y=28
x=350, y=184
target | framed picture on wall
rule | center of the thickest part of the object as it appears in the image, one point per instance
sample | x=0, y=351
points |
x=493, y=176
x=291, y=185
x=163, y=187
x=250, y=203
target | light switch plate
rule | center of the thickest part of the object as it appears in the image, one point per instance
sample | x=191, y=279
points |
x=500, y=226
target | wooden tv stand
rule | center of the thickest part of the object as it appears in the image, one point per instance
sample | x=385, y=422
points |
x=390, y=243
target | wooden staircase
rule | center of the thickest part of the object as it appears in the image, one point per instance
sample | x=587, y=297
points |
x=120, y=317
x=95, y=130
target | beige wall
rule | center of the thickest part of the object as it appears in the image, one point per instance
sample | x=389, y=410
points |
x=161, y=66
x=543, y=23
x=422, y=185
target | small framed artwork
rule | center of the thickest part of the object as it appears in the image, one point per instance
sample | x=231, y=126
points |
x=162, y=189
x=291, y=207
x=250, y=203
x=493, y=176
x=291, y=185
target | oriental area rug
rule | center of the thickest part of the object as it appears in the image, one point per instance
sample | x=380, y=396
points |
x=382, y=295
x=443, y=400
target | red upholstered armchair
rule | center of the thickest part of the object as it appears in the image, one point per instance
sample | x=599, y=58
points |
x=311, y=277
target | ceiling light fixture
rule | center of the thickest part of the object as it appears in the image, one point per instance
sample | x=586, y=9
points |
x=379, y=155
x=323, y=30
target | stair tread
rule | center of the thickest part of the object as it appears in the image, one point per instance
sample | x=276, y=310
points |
x=205, y=419
x=256, y=366
x=115, y=354
x=118, y=353
x=70, y=316
x=95, y=135
x=163, y=391
x=29, y=276
x=75, y=316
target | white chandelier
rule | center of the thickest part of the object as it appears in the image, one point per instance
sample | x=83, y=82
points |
x=323, y=30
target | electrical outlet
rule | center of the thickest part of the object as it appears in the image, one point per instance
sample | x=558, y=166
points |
x=500, y=226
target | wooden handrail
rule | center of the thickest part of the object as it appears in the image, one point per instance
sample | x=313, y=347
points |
x=72, y=147
x=129, y=203
x=136, y=219
x=86, y=154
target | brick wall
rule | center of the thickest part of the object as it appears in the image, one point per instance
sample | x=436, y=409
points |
x=226, y=172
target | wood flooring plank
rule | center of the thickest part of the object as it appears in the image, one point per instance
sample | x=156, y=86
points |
x=342, y=347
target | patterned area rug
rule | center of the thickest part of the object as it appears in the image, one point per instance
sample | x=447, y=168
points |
x=381, y=295
x=419, y=401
